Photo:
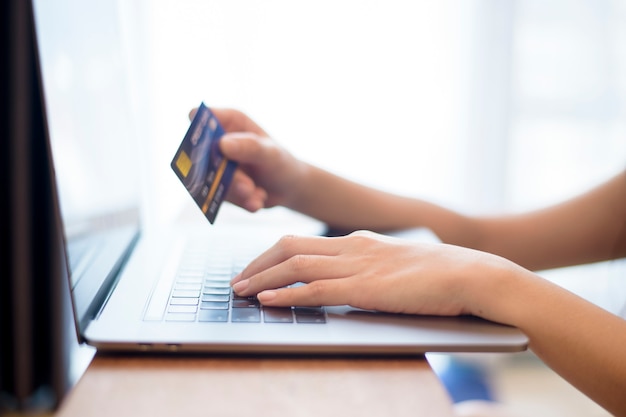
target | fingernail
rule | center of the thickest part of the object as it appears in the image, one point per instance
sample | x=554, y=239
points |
x=266, y=296
x=241, y=286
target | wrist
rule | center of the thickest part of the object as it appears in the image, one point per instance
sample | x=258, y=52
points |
x=499, y=290
x=299, y=186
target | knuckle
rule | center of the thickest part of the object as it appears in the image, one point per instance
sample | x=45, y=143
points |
x=272, y=151
x=299, y=263
x=363, y=237
x=237, y=113
x=287, y=239
x=286, y=243
x=317, y=291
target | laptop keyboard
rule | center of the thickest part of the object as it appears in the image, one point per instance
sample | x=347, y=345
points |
x=201, y=292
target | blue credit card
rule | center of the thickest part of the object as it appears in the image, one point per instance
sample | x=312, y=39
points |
x=201, y=166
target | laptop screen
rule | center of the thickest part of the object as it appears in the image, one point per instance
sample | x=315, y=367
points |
x=86, y=92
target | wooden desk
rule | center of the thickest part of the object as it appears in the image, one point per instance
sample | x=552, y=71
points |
x=293, y=387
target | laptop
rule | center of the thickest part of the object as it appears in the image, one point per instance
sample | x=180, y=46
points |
x=140, y=288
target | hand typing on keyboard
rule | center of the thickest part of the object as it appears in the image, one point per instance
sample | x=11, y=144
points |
x=201, y=292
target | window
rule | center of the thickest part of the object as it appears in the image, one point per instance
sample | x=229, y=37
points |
x=483, y=106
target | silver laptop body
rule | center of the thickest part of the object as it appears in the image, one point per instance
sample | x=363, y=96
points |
x=124, y=275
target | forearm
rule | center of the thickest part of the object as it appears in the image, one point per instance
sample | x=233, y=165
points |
x=589, y=228
x=346, y=205
x=578, y=340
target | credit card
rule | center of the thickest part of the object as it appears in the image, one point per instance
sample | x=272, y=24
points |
x=201, y=166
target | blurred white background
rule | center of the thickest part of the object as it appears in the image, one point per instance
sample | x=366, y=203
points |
x=485, y=106
x=482, y=105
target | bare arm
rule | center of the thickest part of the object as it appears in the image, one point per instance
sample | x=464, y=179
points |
x=591, y=227
x=577, y=339
x=588, y=228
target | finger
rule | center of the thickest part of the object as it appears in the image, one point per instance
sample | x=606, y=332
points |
x=318, y=293
x=192, y=113
x=244, y=193
x=236, y=121
x=244, y=147
x=299, y=268
x=287, y=247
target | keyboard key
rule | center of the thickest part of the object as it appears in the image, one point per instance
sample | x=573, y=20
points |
x=245, y=303
x=180, y=301
x=218, y=276
x=216, y=283
x=180, y=317
x=311, y=319
x=216, y=298
x=213, y=316
x=190, y=279
x=239, y=297
x=182, y=309
x=246, y=315
x=277, y=315
x=216, y=290
x=311, y=311
x=185, y=286
x=191, y=272
x=186, y=293
x=213, y=305
x=310, y=315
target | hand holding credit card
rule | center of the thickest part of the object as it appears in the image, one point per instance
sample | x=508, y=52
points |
x=201, y=166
